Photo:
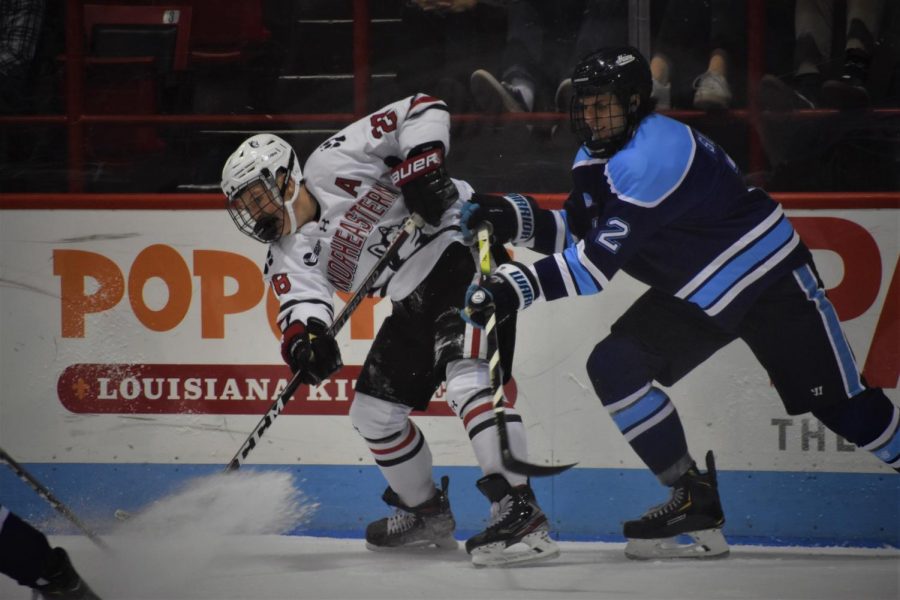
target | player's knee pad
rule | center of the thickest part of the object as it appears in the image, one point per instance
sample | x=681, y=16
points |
x=466, y=379
x=376, y=419
x=860, y=419
x=617, y=368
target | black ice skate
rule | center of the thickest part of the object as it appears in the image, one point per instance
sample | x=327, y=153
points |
x=61, y=581
x=430, y=523
x=518, y=531
x=693, y=510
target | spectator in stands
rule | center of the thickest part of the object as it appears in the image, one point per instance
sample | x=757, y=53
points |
x=683, y=24
x=27, y=557
x=814, y=24
x=451, y=39
x=30, y=40
x=543, y=39
x=857, y=150
x=20, y=28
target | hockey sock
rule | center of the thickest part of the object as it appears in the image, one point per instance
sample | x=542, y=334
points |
x=870, y=421
x=398, y=447
x=479, y=423
x=469, y=395
x=648, y=420
x=24, y=551
x=405, y=461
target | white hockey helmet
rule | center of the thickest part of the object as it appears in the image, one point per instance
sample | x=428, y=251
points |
x=260, y=212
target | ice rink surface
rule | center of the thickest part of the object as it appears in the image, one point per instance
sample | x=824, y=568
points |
x=282, y=567
x=221, y=538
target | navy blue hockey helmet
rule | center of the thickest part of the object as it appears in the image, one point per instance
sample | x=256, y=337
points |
x=623, y=72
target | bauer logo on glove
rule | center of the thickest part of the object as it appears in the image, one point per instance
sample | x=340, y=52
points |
x=417, y=166
x=423, y=179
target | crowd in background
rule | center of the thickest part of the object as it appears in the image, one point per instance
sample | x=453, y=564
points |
x=482, y=57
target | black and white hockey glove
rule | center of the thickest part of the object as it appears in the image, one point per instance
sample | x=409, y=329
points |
x=511, y=216
x=423, y=179
x=509, y=289
x=311, y=350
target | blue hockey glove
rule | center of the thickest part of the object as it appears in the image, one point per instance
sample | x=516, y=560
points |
x=511, y=216
x=468, y=222
x=511, y=288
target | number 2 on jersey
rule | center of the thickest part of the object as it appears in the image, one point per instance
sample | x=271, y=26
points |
x=609, y=238
x=383, y=123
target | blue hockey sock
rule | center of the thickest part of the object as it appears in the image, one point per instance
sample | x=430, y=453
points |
x=650, y=423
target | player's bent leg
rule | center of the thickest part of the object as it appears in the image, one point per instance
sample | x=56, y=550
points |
x=643, y=413
x=869, y=420
x=518, y=531
x=469, y=396
x=812, y=366
x=422, y=512
x=647, y=418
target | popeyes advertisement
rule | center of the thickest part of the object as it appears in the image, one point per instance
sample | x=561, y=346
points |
x=157, y=316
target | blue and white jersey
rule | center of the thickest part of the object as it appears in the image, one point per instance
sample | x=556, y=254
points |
x=671, y=210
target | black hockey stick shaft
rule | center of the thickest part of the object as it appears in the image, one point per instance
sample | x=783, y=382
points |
x=509, y=459
x=47, y=495
x=412, y=223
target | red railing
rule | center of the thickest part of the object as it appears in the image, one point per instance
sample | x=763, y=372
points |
x=207, y=201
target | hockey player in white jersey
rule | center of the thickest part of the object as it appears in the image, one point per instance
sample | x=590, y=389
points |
x=326, y=226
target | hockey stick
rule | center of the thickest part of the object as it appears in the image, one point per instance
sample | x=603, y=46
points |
x=509, y=460
x=47, y=495
x=413, y=223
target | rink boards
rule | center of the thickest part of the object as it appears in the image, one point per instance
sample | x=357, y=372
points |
x=138, y=351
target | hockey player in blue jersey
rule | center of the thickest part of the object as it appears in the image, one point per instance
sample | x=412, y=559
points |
x=658, y=200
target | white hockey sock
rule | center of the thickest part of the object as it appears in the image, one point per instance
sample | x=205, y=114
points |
x=405, y=462
x=486, y=443
x=469, y=395
x=397, y=445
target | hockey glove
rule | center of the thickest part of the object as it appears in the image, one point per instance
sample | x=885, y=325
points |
x=311, y=350
x=509, y=289
x=511, y=216
x=427, y=188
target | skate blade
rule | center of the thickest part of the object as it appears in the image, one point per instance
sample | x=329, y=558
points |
x=708, y=543
x=533, y=547
x=442, y=544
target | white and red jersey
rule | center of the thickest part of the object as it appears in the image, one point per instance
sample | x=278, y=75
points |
x=360, y=210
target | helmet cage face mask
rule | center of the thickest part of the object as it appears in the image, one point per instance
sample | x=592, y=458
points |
x=256, y=202
x=617, y=126
x=258, y=208
x=622, y=72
